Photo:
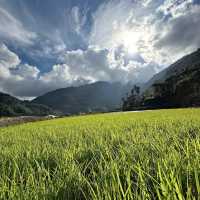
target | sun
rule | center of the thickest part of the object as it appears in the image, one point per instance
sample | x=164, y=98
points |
x=130, y=39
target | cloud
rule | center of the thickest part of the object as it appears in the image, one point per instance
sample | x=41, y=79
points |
x=77, y=19
x=158, y=31
x=102, y=64
x=58, y=77
x=181, y=34
x=131, y=25
x=27, y=71
x=8, y=59
x=119, y=40
x=75, y=68
x=15, y=76
x=13, y=29
x=175, y=8
x=90, y=63
x=108, y=20
x=47, y=46
x=24, y=80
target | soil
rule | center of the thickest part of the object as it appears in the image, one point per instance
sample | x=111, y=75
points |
x=7, y=121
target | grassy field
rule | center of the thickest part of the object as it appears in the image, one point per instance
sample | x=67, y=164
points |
x=145, y=155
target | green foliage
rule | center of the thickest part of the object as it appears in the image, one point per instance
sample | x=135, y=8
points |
x=6, y=110
x=177, y=86
x=11, y=106
x=146, y=155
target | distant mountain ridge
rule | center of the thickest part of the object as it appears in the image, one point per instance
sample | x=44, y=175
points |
x=11, y=106
x=95, y=97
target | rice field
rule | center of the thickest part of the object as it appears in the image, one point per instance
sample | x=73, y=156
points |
x=144, y=155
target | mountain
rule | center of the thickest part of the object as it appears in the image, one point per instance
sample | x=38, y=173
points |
x=176, y=86
x=96, y=97
x=11, y=106
x=188, y=62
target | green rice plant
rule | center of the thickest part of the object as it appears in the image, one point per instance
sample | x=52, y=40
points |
x=143, y=155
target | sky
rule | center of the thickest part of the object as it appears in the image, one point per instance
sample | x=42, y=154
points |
x=48, y=44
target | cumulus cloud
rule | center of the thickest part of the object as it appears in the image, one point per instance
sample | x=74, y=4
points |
x=90, y=64
x=24, y=80
x=27, y=71
x=101, y=64
x=8, y=59
x=13, y=72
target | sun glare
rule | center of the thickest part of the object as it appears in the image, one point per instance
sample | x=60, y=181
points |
x=129, y=39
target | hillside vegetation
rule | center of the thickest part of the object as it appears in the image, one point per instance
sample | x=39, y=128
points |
x=11, y=106
x=146, y=155
x=175, y=87
x=95, y=97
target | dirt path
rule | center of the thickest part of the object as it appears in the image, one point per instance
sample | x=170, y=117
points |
x=19, y=120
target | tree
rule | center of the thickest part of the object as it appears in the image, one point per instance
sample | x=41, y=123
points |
x=133, y=100
x=137, y=89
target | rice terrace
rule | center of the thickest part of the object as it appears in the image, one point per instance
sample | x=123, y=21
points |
x=143, y=155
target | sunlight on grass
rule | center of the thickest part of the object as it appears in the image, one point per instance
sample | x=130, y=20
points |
x=147, y=155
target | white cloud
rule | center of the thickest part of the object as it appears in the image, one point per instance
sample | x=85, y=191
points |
x=4, y=72
x=8, y=59
x=127, y=23
x=13, y=29
x=58, y=77
x=86, y=63
x=77, y=19
x=151, y=29
x=27, y=71
x=14, y=76
x=109, y=19
x=180, y=35
x=25, y=80
x=101, y=64
x=175, y=8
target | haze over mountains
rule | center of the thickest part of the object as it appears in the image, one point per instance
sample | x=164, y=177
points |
x=95, y=97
